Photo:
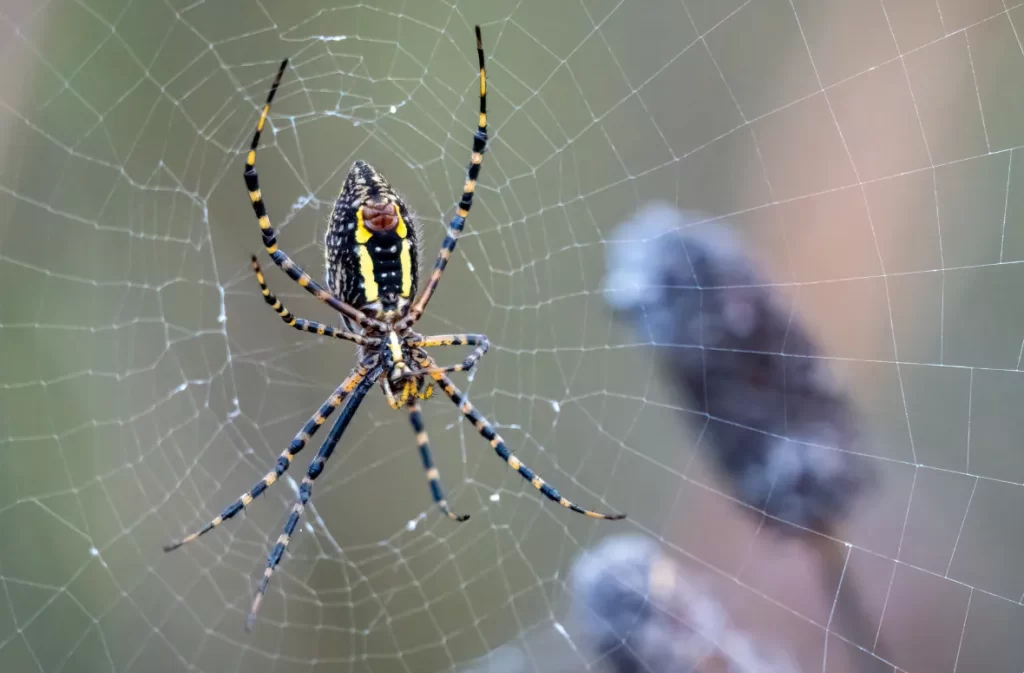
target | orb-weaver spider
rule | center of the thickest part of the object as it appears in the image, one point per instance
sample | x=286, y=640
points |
x=372, y=263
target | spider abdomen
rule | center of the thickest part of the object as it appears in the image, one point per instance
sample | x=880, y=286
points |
x=372, y=245
x=389, y=258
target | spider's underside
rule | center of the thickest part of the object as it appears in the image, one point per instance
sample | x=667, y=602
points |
x=372, y=251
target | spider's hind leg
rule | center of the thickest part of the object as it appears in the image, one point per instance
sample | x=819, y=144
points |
x=458, y=221
x=259, y=206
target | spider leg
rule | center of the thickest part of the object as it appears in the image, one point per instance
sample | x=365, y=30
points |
x=294, y=271
x=465, y=203
x=498, y=444
x=302, y=324
x=433, y=476
x=363, y=384
x=478, y=340
x=283, y=461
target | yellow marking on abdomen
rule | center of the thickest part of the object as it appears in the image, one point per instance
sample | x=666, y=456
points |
x=255, y=195
x=433, y=474
x=406, y=259
x=362, y=233
x=246, y=499
x=513, y=462
x=401, y=229
x=366, y=270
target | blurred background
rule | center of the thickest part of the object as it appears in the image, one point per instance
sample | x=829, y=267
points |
x=867, y=153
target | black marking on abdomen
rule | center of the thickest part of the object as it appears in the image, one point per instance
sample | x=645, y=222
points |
x=386, y=252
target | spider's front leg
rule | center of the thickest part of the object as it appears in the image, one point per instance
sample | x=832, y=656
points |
x=487, y=431
x=363, y=383
x=433, y=475
x=284, y=461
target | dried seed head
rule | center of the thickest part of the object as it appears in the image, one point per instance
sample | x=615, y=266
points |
x=640, y=611
x=780, y=426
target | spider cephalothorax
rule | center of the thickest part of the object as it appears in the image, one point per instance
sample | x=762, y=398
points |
x=372, y=281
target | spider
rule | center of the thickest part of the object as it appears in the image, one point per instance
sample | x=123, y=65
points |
x=372, y=259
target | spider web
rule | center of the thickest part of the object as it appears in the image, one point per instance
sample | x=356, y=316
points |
x=868, y=152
